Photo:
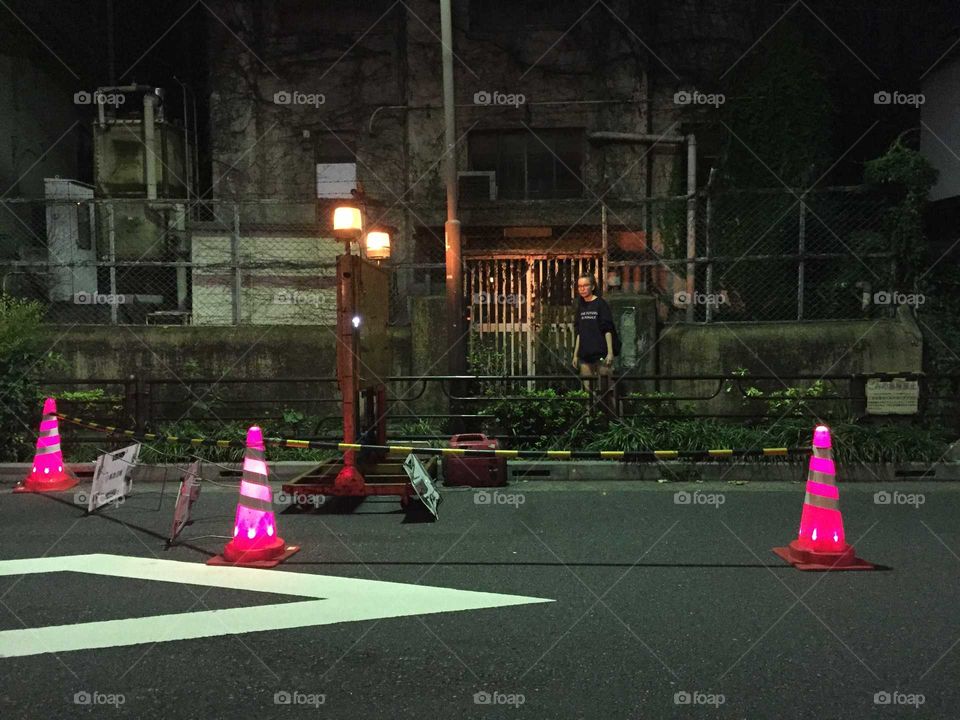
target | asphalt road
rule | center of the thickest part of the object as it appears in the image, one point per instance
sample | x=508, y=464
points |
x=653, y=603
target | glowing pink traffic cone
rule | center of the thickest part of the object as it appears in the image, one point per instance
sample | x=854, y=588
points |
x=49, y=474
x=821, y=544
x=256, y=541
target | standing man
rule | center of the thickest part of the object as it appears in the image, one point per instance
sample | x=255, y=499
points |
x=594, y=329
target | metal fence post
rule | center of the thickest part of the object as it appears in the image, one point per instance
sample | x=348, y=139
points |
x=707, y=249
x=112, y=239
x=801, y=250
x=183, y=248
x=142, y=403
x=235, y=261
x=130, y=400
x=691, y=224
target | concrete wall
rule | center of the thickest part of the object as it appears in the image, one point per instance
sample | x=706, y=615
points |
x=291, y=296
x=784, y=349
x=258, y=352
x=427, y=345
x=188, y=353
x=169, y=352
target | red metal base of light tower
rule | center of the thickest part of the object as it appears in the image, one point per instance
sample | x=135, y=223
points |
x=364, y=401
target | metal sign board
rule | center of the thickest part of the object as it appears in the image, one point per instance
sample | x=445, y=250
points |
x=422, y=484
x=112, y=479
x=893, y=397
x=186, y=497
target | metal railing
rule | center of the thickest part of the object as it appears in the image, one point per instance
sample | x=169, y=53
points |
x=142, y=403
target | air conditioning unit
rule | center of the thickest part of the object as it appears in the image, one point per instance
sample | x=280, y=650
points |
x=477, y=185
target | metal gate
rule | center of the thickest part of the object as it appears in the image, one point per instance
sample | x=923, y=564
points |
x=521, y=310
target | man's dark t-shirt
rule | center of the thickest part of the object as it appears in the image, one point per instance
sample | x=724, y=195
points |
x=593, y=320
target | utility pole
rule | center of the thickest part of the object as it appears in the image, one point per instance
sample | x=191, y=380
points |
x=454, y=282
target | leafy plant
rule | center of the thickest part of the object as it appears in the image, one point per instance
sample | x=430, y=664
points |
x=545, y=418
x=658, y=403
x=781, y=117
x=418, y=429
x=24, y=360
x=907, y=173
x=293, y=417
x=482, y=359
x=793, y=401
x=291, y=426
x=852, y=442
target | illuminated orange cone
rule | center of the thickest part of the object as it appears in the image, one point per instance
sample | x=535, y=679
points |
x=820, y=544
x=49, y=474
x=256, y=542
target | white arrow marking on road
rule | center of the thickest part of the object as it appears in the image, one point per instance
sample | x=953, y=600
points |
x=333, y=600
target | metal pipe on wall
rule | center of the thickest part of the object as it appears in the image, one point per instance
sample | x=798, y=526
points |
x=150, y=150
x=112, y=249
x=454, y=279
x=691, y=222
x=602, y=280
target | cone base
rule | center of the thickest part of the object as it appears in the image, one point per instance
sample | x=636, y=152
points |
x=804, y=559
x=265, y=557
x=31, y=485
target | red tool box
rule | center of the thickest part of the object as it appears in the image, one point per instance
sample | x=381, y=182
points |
x=476, y=471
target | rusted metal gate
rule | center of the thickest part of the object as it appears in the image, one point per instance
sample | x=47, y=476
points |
x=522, y=308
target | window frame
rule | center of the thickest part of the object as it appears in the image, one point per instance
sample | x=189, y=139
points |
x=533, y=139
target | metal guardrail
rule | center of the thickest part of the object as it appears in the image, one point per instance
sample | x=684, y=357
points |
x=144, y=403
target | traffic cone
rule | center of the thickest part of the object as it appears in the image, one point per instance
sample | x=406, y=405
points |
x=256, y=542
x=821, y=544
x=49, y=474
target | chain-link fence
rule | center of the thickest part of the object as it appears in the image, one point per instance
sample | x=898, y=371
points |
x=730, y=256
x=143, y=261
x=758, y=255
x=792, y=255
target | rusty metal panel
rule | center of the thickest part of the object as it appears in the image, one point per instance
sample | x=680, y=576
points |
x=371, y=304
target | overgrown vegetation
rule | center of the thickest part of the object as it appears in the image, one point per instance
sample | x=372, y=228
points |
x=530, y=417
x=556, y=419
x=797, y=401
x=546, y=419
x=908, y=177
x=293, y=425
x=24, y=360
x=418, y=430
x=852, y=442
x=780, y=115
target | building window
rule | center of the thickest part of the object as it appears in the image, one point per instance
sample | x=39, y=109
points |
x=530, y=164
x=495, y=17
x=84, y=217
x=336, y=165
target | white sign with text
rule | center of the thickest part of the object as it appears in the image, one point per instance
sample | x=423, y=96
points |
x=112, y=477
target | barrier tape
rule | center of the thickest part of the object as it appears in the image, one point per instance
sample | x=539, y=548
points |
x=623, y=455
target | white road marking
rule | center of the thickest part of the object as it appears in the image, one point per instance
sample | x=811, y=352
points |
x=332, y=600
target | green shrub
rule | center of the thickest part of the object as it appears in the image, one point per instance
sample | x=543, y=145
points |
x=852, y=442
x=559, y=420
x=24, y=359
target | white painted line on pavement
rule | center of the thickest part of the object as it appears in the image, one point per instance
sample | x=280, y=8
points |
x=333, y=600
